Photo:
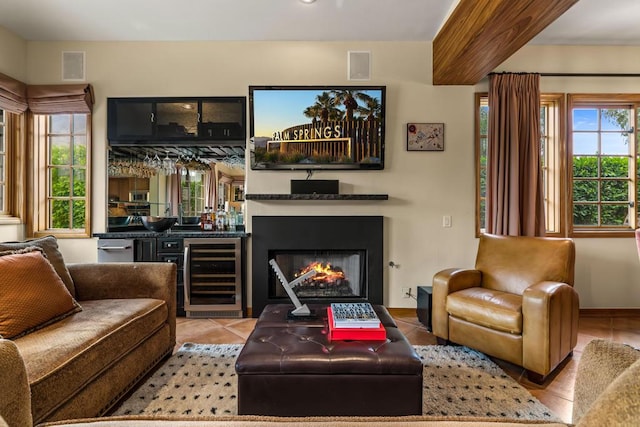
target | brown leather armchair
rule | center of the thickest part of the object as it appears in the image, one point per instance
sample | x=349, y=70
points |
x=518, y=304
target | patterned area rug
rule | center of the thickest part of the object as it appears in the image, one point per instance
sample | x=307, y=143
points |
x=200, y=380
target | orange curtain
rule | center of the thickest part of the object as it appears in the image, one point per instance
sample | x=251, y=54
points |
x=514, y=175
x=13, y=95
x=60, y=99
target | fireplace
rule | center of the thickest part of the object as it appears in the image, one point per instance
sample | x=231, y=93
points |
x=344, y=251
x=339, y=273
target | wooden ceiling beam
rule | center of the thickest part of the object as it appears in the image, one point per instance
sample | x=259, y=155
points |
x=481, y=34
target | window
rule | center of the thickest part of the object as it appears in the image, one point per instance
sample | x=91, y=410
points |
x=11, y=171
x=604, y=163
x=62, y=174
x=192, y=192
x=3, y=165
x=482, y=139
x=597, y=191
x=551, y=120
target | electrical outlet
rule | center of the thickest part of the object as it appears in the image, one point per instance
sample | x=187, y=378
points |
x=406, y=292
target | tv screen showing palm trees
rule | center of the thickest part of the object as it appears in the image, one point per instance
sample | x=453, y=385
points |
x=317, y=127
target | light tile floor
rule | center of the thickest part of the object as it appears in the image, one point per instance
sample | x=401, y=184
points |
x=556, y=393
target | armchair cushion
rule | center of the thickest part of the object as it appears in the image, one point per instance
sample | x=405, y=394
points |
x=496, y=310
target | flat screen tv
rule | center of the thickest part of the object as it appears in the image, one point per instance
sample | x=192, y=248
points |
x=317, y=127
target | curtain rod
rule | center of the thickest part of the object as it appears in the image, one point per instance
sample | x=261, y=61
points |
x=589, y=75
x=573, y=74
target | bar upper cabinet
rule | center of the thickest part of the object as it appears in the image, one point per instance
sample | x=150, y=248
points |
x=130, y=119
x=140, y=121
x=223, y=119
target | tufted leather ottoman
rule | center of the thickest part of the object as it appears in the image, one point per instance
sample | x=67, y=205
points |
x=290, y=368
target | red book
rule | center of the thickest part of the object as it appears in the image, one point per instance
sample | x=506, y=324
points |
x=347, y=334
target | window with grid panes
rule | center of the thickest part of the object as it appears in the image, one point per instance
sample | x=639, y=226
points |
x=64, y=188
x=192, y=193
x=604, y=165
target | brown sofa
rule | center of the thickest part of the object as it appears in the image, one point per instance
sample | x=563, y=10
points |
x=81, y=365
x=607, y=393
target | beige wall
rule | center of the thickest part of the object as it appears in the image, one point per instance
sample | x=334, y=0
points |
x=422, y=186
x=13, y=63
x=13, y=55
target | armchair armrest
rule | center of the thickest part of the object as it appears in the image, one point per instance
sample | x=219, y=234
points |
x=446, y=282
x=15, y=400
x=550, y=325
x=602, y=362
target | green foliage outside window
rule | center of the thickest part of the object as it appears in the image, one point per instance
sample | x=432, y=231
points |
x=594, y=199
x=601, y=192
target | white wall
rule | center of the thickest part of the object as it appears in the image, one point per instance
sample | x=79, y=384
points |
x=422, y=186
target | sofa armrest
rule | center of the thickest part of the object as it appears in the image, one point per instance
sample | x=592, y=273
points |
x=602, y=362
x=446, y=282
x=15, y=399
x=550, y=325
x=127, y=280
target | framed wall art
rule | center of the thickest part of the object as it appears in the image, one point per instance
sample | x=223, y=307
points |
x=425, y=136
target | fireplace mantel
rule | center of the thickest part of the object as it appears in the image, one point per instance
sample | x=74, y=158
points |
x=315, y=196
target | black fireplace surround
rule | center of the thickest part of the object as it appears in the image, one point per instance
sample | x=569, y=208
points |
x=273, y=234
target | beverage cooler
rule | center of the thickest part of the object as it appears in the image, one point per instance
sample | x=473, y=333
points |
x=213, y=278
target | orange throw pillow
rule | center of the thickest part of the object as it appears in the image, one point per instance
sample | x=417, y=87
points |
x=49, y=245
x=32, y=295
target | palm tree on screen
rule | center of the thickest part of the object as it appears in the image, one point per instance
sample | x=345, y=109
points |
x=372, y=109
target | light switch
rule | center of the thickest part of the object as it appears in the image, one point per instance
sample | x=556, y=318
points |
x=446, y=221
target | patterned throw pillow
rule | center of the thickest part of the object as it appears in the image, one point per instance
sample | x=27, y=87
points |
x=50, y=246
x=32, y=295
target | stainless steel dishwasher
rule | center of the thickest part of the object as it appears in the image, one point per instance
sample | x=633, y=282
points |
x=115, y=250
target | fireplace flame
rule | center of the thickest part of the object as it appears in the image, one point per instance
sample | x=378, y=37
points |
x=325, y=273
